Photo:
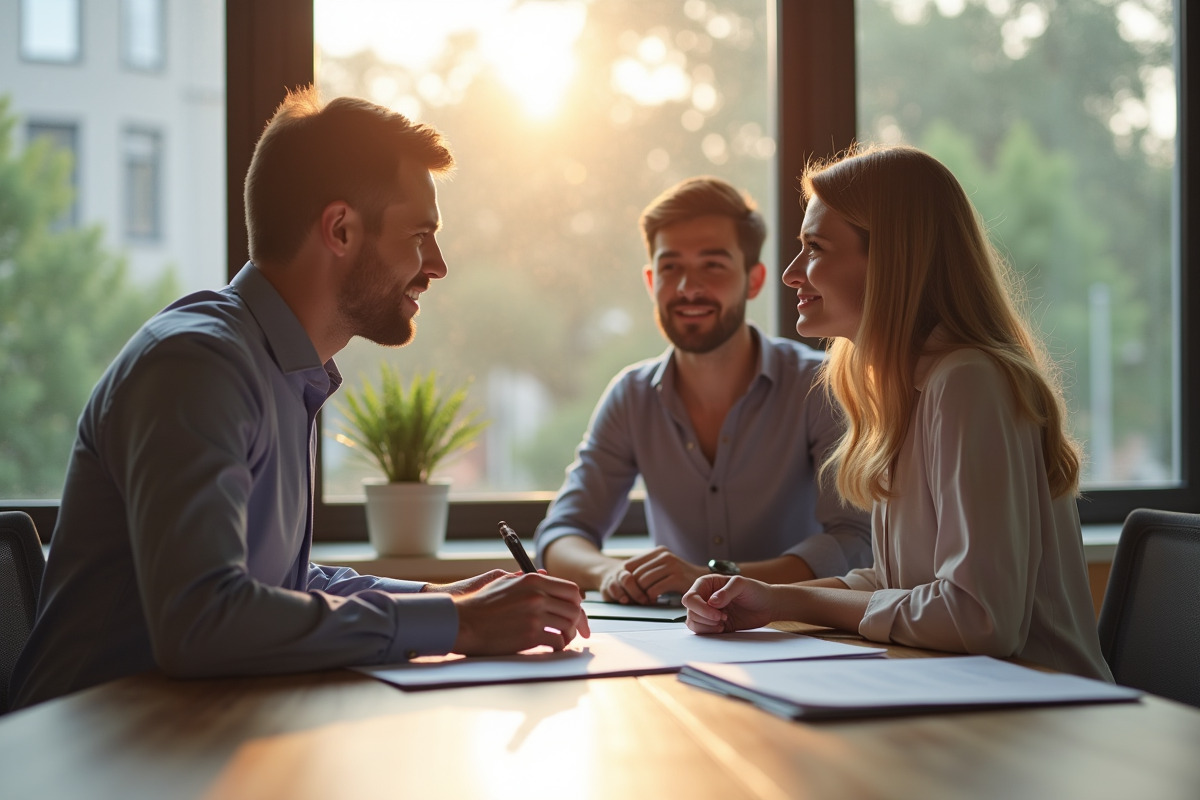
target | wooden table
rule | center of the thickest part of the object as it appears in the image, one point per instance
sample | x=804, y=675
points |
x=339, y=734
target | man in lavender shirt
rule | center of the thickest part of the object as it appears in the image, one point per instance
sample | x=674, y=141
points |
x=725, y=428
x=184, y=534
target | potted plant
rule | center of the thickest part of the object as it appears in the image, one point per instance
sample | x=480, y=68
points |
x=406, y=432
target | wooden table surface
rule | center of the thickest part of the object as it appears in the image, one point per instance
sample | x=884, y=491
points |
x=340, y=734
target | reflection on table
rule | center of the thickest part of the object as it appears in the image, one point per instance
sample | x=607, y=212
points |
x=341, y=734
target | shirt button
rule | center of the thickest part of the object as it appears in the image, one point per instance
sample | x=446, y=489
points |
x=718, y=540
x=691, y=445
x=712, y=489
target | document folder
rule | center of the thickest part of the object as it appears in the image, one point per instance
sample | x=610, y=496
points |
x=809, y=690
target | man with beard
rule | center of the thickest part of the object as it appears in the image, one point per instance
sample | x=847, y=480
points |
x=183, y=538
x=723, y=428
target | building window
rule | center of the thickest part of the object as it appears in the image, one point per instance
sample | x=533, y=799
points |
x=51, y=31
x=142, y=35
x=143, y=185
x=63, y=137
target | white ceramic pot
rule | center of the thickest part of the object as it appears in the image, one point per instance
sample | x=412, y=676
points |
x=407, y=519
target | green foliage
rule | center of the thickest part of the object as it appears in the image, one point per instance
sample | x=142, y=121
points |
x=1049, y=129
x=406, y=432
x=66, y=308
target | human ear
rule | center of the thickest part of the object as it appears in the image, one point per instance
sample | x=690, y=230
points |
x=756, y=276
x=340, y=228
x=648, y=278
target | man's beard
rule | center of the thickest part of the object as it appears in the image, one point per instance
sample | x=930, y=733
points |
x=697, y=341
x=372, y=305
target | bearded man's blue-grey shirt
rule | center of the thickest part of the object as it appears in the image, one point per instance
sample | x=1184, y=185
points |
x=757, y=500
x=185, y=527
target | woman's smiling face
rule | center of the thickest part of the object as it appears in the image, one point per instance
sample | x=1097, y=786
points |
x=829, y=275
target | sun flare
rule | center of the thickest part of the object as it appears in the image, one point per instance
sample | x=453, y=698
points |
x=528, y=46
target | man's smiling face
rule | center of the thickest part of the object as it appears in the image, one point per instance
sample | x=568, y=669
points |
x=699, y=282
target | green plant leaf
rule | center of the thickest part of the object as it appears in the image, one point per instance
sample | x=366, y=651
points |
x=406, y=431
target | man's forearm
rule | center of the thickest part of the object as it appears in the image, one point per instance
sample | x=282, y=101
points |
x=578, y=559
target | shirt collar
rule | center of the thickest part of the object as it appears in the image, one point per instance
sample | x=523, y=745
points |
x=769, y=361
x=289, y=343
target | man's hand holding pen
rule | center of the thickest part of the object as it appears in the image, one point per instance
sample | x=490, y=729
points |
x=517, y=612
x=514, y=612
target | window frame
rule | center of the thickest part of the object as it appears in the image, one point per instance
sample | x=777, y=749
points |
x=269, y=46
x=39, y=127
x=129, y=163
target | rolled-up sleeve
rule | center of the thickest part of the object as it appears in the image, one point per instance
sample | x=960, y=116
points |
x=346, y=581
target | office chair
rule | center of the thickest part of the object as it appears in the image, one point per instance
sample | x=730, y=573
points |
x=1150, y=618
x=21, y=566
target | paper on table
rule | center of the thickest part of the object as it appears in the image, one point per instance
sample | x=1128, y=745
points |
x=816, y=689
x=628, y=652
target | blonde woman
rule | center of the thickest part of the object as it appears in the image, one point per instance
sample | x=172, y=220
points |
x=955, y=433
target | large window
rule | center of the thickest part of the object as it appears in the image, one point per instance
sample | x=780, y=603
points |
x=566, y=119
x=1060, y=120
x=82, y=156
x=1115, y=314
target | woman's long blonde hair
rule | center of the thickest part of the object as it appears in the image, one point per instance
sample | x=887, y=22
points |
x=929, y=264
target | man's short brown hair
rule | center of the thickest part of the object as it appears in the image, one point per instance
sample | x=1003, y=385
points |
x=702, y=196
x=312, y=154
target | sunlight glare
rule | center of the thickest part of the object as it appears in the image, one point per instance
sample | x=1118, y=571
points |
x=530, y=45
x=552, y=744
x=532, y=49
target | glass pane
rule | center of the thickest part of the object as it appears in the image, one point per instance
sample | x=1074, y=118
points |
x=63, y=138
x=49, y=30
x=1059, y=119
x=143, y=156
x=70, y=297
x=142, y=33
x=567, y=117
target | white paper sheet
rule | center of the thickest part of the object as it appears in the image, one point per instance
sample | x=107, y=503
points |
x=626, y=652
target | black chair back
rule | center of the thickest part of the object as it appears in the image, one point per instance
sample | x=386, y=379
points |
x=1150, y=618
x=21, y=567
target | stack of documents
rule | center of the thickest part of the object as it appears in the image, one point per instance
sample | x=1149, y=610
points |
x=873, y=687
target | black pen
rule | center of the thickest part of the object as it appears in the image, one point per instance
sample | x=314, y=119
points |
x=516, y=548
